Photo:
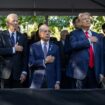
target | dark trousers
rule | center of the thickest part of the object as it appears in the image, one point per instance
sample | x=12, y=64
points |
x=44, y=84
x=66, y=82
x=90, y=81
x=10, y=83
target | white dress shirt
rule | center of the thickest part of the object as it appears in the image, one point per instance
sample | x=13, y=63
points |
x=47, y=45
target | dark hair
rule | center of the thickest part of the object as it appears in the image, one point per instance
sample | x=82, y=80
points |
x=40, y=25
x=74, y=19
x=103, y=26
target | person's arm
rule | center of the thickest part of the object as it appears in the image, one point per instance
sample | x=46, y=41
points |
x=4, y=50
x=77, y=43
x=58, y=69
x=33, y=62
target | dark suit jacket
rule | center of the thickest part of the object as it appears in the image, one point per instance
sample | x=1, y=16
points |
x=64, y=57
x=18, y=61
x=52, y=69
x=80, y=57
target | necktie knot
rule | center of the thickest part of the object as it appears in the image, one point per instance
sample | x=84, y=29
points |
x=87, y=34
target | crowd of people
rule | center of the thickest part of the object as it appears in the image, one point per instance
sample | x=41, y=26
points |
x=75, y=62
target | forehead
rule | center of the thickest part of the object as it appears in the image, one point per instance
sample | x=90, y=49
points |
x=44, y=27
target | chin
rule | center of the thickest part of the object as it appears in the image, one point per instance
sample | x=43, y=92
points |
x=47, y=39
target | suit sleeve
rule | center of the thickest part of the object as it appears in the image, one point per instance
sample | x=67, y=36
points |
x=57, y=65
x=77, y=43
x=25, y=55
x=33, y=62
x=4, y=50
x=103, y=56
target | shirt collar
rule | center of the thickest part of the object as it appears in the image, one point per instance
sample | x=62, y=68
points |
x=42, y=42
x=12, y=32
x=89, y=31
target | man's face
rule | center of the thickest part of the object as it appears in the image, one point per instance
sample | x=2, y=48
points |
x=45, y=33
x=63, y=35
x=13, y=23
x=77, y=24
x=85, y=21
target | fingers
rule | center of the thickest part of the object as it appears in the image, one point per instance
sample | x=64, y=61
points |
x=50, y=59
x=93, y=39
x=22, y=78
x=18, y=47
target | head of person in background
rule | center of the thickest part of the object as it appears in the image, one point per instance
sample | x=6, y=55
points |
x=44, y=32
x=12, y=22
x=76, y=22
x=85, y=20
x=36, y=35
x=53, y=40
x=63, y=34
x=103, y=28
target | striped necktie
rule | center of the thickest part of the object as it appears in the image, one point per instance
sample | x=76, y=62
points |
x=12, y=39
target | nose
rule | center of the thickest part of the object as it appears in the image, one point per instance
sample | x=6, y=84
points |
x=15, y=22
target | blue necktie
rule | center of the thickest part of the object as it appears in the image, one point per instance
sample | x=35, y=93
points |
x=12, y=39
x=45, y=49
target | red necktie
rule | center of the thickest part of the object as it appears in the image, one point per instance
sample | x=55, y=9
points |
x=91, y=54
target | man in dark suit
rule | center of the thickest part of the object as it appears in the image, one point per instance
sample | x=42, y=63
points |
x=44, y=58
x=64, y=57
x=86, y=62
x=13, y=49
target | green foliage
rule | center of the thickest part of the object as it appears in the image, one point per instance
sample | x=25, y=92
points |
x=59, y=21
x=2, y=22
x=56, y=23
x=97, y=23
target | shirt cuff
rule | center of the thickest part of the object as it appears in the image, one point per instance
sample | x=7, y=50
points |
x=57, y=82
x=24, y=72
x=13, y=49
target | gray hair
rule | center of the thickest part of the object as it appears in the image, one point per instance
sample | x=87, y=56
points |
x=11, y=15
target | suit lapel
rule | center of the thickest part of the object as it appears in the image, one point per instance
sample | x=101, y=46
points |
x=83, y=36
x=17, y=37
x=7, y=38
x=94, y=44
x=50, y=48
x=40, y=49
